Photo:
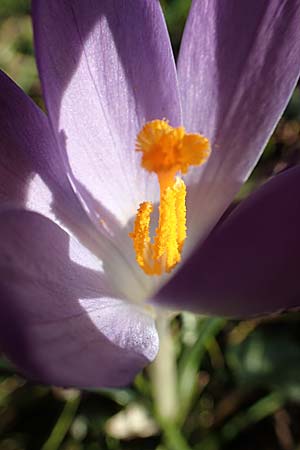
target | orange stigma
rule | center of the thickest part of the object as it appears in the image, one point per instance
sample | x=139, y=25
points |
x=167, y=151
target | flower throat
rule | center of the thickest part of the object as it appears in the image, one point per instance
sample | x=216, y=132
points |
x=165, y=151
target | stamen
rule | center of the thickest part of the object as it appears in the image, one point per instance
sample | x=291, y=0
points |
x=166, y=151
x=168, y=240
x=141, y=237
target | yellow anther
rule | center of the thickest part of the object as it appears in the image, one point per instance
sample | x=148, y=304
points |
x=171, y=227
x=181, y=215
x=141, y=237
x=166, y=151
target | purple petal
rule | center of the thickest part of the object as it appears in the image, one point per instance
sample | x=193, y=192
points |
x=106, y=68
x=32, y=174
x=250, y=263
x=238, y=65
x=61, y=322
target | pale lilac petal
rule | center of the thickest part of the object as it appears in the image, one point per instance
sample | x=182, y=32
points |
x=61, y=322
x=32, y=174
x=250, y=263
x=106, y=68
x=237, y=67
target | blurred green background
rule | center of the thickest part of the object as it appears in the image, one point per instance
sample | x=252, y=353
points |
x=238, y=382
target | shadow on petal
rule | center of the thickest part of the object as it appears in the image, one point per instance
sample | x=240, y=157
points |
x=61, y=322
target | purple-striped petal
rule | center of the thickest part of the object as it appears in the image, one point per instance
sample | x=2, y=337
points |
x=237, y=67
x=61, y=322
x=250, y=263
x=106, y=67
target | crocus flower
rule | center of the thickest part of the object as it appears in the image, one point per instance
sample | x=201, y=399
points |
x=76, y=307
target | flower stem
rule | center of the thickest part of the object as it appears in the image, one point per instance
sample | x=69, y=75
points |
x=163, y=373
x=63, y=423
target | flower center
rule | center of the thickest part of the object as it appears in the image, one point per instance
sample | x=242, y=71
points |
x=165, y=151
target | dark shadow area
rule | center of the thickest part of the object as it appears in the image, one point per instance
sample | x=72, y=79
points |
x=248, y=264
